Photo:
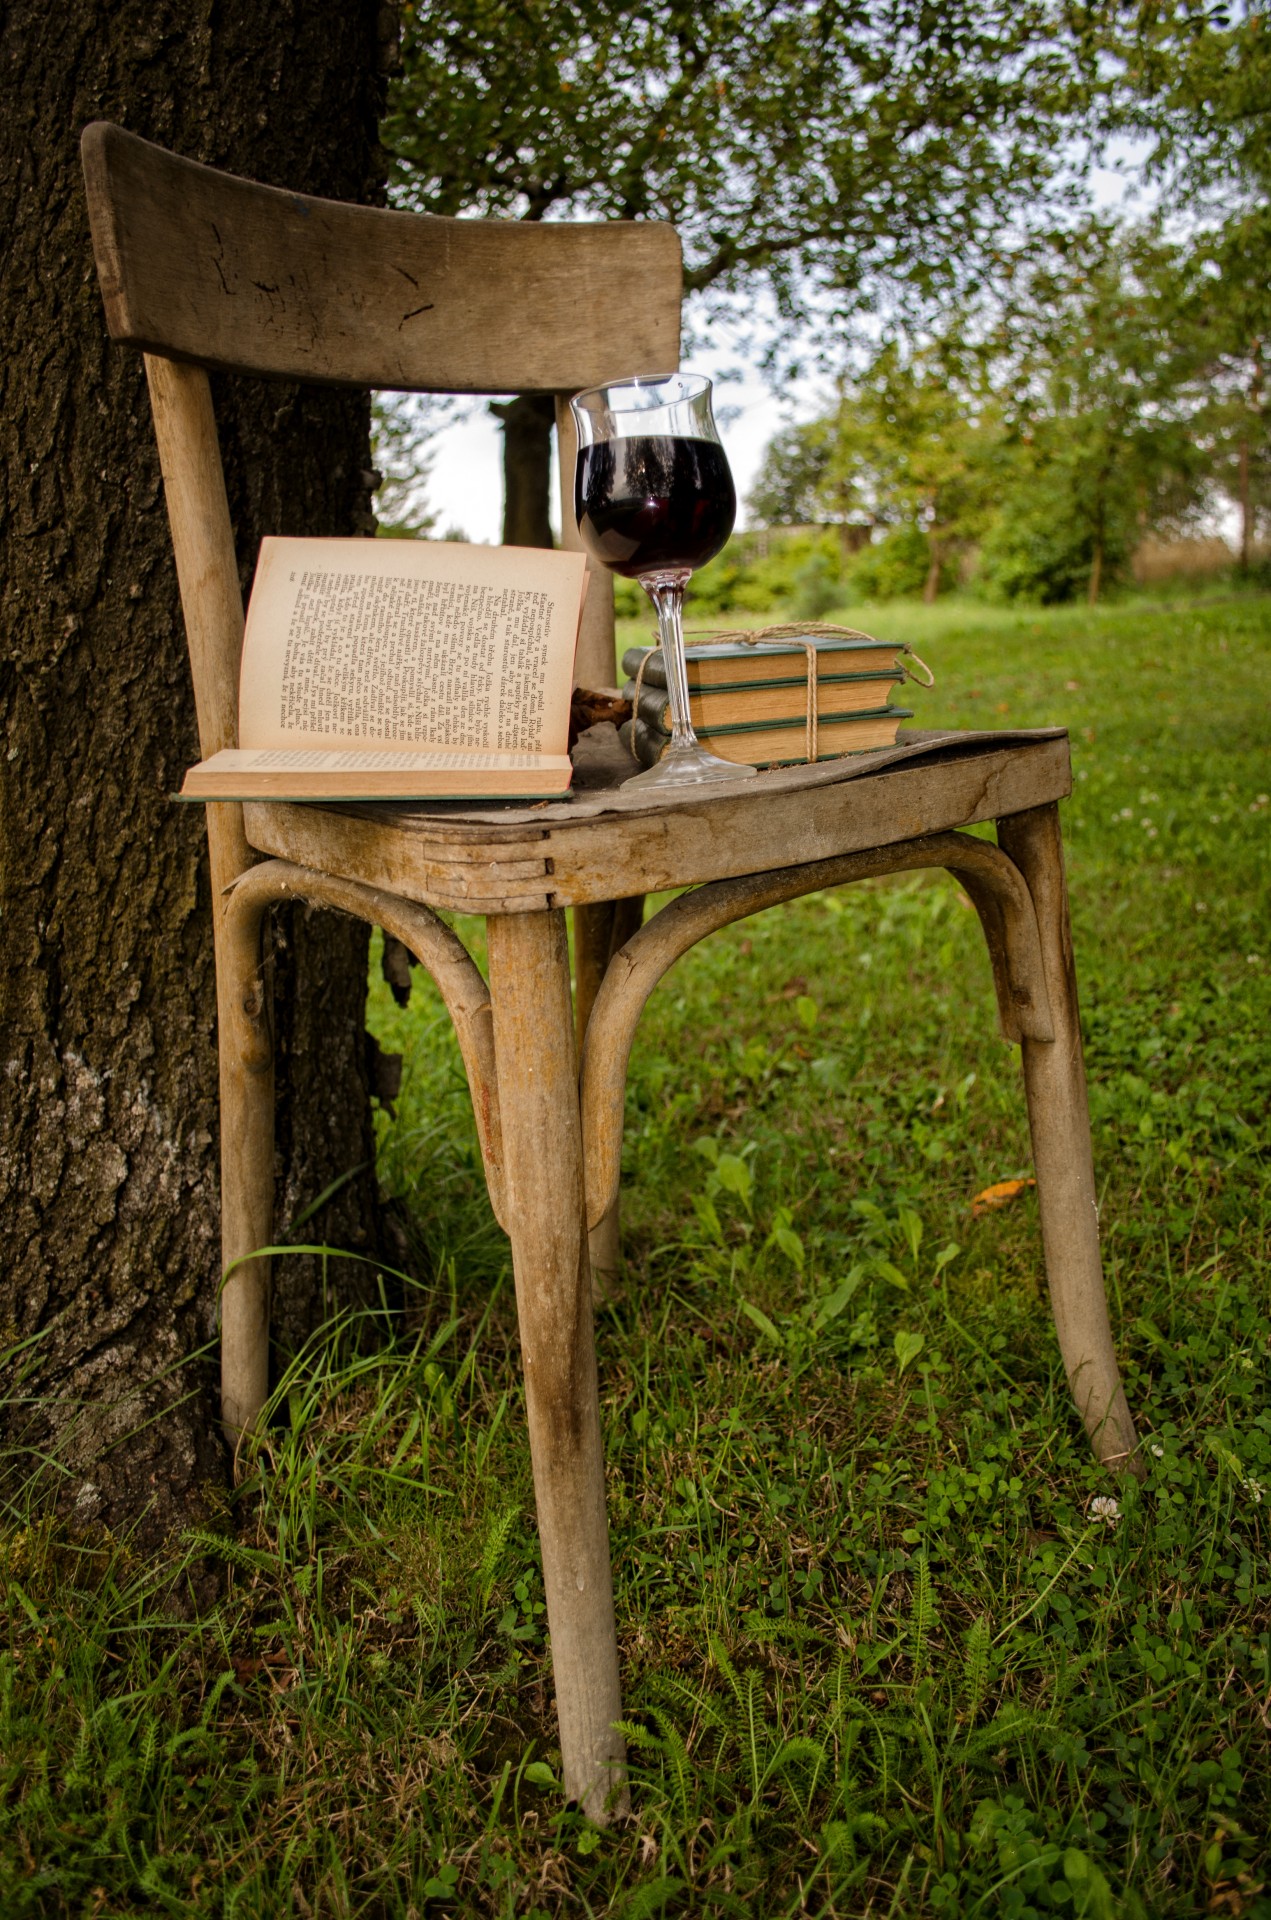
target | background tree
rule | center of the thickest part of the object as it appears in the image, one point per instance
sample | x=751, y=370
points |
x=1195, y=78
x=108, y=1133
x=1100, y=362
x=1051, y=429
x=403, y=463
x=825, y=152
x=915, y=441
x=912, y=446
x=1232, y=319
x=795, y=485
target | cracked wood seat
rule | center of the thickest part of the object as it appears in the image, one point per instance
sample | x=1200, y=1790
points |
x=201, y=270
x=573, y=853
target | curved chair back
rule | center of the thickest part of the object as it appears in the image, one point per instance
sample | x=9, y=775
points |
x=204, y=266
x=203, y=269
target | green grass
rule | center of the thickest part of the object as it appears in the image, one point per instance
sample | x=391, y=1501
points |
x=882, y=1652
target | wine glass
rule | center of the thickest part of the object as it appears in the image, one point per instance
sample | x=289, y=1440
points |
x=654, y=499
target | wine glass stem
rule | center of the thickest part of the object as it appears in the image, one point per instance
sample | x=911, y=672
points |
x=666, y=591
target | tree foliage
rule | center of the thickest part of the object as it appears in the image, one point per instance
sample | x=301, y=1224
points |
x=1195, y=78
x=824, y=146
x=1101, y=363
x=795, y=484
x=1049, y=429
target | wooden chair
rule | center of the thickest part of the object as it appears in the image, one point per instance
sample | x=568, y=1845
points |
x=200, y=269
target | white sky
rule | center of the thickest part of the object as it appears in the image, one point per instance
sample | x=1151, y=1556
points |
x=465, y=485
x=465, y=488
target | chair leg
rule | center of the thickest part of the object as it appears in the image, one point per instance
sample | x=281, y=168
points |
x=247, y=1166
x=599, y=931
x=536, y=1064
x=1059, y=1119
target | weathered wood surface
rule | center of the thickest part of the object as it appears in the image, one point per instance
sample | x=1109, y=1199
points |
x=207, y=573
x=245, y=1045
x=439, y=951
x=1059, y=1118
x=601, y=932
x=200, y=267
x=203, y=266
x=247, y=1082
x=538, y=1073
x=994, y=883
x=203, y=543
x=606, y=846
x=595, y=661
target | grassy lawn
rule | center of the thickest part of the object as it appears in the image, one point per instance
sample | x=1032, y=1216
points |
x=884, y=1652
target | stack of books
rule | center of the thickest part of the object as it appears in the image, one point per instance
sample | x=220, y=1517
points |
x=749, y=703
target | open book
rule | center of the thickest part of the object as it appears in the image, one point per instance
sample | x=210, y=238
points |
x=402, y=669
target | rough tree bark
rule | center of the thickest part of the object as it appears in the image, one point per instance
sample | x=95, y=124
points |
x=108, y=1128
x=528, y=421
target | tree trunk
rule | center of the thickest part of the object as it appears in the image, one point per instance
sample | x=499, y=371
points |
x=931, y=585
x=1246, y=504
x=109, y=1216
x=527, y=468
x=1095, y=585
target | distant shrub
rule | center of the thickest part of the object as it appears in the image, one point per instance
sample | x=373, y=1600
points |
x=818, y=586
x=795, y=567
x=630, y=601
x=891, y=569
x=1040, y=547
x=729, y=585
x=799, y=577
x=1032, y=554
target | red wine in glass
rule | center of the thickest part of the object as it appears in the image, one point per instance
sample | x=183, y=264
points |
x=654, y=500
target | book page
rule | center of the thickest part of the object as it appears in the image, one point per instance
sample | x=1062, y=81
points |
x=409, y=644
x=371, y=760
x=355, y=773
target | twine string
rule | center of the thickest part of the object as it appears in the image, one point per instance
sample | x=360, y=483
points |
x=806, y=632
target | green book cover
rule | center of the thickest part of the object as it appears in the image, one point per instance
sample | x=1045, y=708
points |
x=822, y=720
x=650, y=742
x=654, y=705
x=785, y=660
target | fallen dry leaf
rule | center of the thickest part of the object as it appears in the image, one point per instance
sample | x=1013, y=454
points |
x=999, y=1195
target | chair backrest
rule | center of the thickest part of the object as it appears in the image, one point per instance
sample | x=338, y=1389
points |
x=203, y=266
x=202, y=269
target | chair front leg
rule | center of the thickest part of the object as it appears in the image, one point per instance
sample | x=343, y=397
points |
x=594, y=927
x=545, y=1204
x=1059, y=1119
x=600, y=932
x=247, y=1164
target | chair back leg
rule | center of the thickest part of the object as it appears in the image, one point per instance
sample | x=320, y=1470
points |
x=599, y=932
x=1059, y=1119
x=537, y=1072
x=247, y=1162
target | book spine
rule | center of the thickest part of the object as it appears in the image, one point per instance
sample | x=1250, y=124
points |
x=650, y=743
x=761, y=743
x=654, y=673
x=654, y=707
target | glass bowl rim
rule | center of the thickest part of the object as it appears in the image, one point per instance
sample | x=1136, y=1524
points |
x=694, y=386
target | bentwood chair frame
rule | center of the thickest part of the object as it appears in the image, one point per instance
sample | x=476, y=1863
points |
x=203, y=270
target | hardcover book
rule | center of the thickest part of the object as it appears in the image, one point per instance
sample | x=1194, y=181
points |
x=767, y=700
x=402, y=669
x=732, y=663
x=778, y=742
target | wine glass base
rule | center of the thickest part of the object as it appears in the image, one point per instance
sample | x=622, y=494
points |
x=687, y=766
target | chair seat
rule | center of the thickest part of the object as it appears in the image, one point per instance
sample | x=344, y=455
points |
x=610, y=843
